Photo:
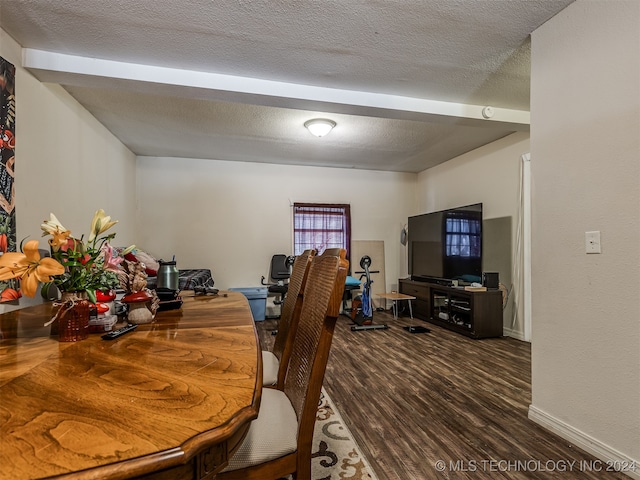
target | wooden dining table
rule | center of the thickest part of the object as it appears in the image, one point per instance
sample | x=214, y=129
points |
x=172, y=399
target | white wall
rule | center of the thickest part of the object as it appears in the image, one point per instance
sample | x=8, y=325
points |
x=66, y=162
x=491, y=175
x=232, y=217
x=585, y=163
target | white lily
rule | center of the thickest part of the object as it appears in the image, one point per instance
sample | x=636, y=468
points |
x=101, y=223
x=52, y=226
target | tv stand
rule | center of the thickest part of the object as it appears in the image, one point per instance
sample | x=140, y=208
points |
x=433, y=280
x=474, y=314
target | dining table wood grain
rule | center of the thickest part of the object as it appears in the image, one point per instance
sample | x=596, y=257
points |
x=170, y=400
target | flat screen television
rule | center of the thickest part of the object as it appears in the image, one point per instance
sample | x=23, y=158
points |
x=446, y=245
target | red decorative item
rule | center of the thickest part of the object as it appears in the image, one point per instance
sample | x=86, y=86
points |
x=102, y=307
x=10, y=294
x=136, y=297
x=150, y=271
x=108, y=296
x=138, y=307
x=131, y=257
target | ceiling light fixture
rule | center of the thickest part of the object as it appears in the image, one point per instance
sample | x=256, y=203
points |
x=319, y=126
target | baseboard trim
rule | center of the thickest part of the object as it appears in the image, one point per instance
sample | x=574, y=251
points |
x=509, y=332
x=609, y=456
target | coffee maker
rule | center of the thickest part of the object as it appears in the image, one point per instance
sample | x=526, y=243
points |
x=167, y=285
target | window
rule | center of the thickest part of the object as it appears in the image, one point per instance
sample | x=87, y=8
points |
x=462, y=237
x=320, y=226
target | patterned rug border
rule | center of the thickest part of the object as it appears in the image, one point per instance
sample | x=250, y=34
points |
x=351, y=464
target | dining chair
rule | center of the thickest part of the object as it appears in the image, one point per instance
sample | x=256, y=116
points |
x=279, y=440
x=272, y=374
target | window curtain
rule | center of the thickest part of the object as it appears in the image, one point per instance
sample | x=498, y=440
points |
x=321, y=226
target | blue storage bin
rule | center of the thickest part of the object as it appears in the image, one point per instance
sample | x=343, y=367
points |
x=257, y=297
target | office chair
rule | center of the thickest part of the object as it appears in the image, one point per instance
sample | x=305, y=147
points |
x=279, y=277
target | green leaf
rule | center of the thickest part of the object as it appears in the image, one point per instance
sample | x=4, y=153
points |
x=92, y=295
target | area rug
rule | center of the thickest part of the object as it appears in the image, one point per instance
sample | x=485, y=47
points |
x=335, y=455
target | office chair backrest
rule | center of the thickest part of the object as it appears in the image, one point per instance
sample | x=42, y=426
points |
x=279, y=268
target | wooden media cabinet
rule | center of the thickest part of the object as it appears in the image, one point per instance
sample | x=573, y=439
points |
x=471, y=313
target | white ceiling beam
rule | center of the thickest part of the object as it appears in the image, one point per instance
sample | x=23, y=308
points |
x=83, y=71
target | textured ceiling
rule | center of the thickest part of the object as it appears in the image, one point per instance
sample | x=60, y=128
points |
x=406, y=81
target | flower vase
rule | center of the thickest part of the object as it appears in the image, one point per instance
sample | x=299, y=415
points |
x=72, y=317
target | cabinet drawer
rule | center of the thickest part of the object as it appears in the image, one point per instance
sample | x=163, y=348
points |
x=420, y=291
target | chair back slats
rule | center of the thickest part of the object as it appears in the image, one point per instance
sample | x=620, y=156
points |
x=292, y=301
x=291, y=308
x=302, y=384
x=336, y=252
x=310, y=351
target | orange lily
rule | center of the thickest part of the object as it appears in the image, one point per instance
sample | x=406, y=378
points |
x=58, y=239
x=29, y=268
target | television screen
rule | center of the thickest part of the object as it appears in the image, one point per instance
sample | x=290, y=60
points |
x=447, y=245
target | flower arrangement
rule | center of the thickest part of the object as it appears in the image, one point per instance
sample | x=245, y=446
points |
x=29, y=268
x=75, y=265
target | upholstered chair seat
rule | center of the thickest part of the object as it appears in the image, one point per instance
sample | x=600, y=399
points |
x=272, y=435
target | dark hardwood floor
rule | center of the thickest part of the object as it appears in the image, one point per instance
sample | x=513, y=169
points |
x=412, y=400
